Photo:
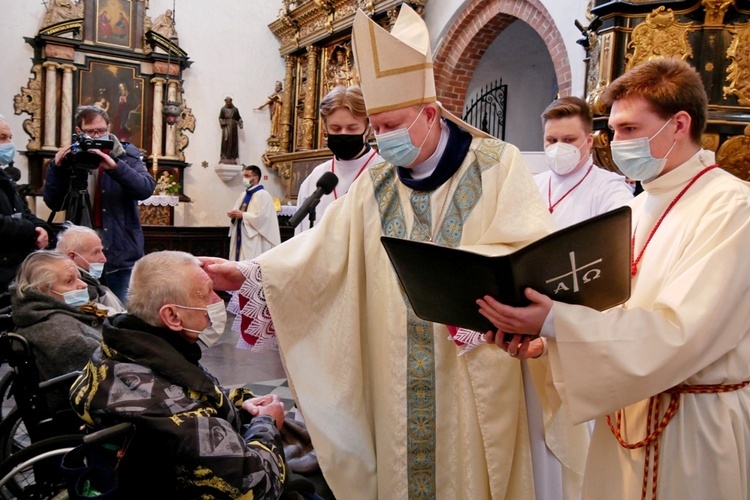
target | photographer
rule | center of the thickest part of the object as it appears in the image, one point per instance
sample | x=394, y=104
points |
x=115, y=185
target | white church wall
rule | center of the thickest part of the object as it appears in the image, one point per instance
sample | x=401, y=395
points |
x=233, y=52
x=441, y=14
x=518, y=56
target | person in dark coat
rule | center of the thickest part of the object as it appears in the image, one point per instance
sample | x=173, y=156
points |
x=20, y=230
x=120, y=180
x=46, y=302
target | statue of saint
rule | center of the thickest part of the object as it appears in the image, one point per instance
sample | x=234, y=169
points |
x=231, y=122
x=275, y=103
x=165, y=26
x=62, y=10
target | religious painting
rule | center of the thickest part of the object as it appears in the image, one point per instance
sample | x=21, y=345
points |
x=117, y=89
x=300, y=170
x=113, y=22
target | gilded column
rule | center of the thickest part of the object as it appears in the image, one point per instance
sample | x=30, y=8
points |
x=170, y=147
x=286, y=108
x=66, y=108
x=156, y=117
x=310, y=112
x=50, y=106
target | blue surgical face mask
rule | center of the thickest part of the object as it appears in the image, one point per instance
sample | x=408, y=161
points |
x=7, y=152
x=633, y=157
x=95, y=268
x=75, y=298
x=396, y=146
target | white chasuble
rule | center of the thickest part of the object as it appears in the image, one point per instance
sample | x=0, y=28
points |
x=687, y=322
x=392, y=410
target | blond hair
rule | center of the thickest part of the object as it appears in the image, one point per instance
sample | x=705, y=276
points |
x=570, y=106
x=344, y=97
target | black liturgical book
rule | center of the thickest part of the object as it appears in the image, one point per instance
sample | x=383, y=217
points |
x=587, y=263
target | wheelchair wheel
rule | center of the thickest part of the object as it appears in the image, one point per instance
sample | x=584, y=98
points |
x=13, y=434
x=34, y=472
x=5, y=384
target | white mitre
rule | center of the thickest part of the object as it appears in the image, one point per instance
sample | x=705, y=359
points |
x=395, y=69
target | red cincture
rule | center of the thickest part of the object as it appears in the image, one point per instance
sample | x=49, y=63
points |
x=636, y=260
x=551, y=205
x=333, y=168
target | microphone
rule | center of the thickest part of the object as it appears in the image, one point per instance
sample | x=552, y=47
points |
x=325, y=185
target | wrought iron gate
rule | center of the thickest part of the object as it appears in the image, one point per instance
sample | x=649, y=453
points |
x=486, y=111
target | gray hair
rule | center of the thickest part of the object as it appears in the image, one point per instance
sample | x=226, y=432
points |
x=158, y=279
x=38, y=271
x=69, y=239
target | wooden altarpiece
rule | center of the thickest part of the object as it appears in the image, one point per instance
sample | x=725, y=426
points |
x=711, y=35
x=103, y=53
x=315, y=41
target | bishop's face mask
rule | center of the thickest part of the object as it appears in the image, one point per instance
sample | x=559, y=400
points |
x=217, y=314
x=396, y=146
x=75, y=298
x=562, y=157
x=633, y=157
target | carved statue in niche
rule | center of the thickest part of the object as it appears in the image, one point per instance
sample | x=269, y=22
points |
x=660, y=35
x=738, y=72
x=230, y=121
x=340, y=69
x=275, y=103
x=62, y=10
x=164, y=25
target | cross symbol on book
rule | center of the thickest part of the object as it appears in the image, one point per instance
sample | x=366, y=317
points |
x=588, y=276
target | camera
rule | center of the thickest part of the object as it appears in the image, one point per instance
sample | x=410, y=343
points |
x=79, y=151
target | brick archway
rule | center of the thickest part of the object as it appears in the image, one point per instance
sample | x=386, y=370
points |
x=472, y=33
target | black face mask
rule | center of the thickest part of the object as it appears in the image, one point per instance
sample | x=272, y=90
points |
x=346, y=146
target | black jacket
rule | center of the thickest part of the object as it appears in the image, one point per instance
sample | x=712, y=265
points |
x=17, y=230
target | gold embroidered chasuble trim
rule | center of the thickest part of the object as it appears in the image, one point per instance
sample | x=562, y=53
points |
x=420, y=374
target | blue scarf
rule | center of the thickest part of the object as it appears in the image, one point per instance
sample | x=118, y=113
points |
x=243, y=208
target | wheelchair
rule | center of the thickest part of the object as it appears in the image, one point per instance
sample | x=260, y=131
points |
x=31, y=421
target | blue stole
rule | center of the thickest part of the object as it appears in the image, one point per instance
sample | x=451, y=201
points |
x=243, y=208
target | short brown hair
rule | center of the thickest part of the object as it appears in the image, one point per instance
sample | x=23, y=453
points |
x=88, y=113
x=344, y=97
x=570, y=106
x=669, y=85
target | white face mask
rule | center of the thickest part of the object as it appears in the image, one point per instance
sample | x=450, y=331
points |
x=217, y=314
x=633, y=157
x=95, y=268
x=75, y=298
x=247, y=183
x=562, y=158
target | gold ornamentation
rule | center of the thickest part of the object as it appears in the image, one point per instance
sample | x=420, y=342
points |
x=715, y=10
x=339, y=67
x=30, y=101
x=734, y=155
x=660, y=35
x=710, y=141
x=738, y=72
x=709, y=66
x=601, y=151
x=185, y=121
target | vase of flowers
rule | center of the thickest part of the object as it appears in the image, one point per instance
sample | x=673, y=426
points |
x=166, y=185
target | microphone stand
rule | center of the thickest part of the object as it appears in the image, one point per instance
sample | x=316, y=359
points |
x=311, y=213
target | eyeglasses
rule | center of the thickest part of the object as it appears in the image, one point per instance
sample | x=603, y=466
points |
x=96, y=132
